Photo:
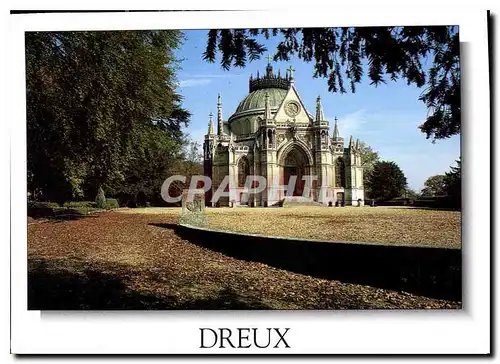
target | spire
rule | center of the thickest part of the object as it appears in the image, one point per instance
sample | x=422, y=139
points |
x=357, y=144
x=350, y=142
x=211, y=124
x=319, y=110
x=336, y=133
x=220, y=123
x=267, y=109
x=290, y=71
x=269, y=67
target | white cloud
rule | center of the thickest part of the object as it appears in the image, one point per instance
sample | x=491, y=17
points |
x=194, y=82
x=350, y=124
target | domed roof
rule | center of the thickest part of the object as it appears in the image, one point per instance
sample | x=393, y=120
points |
x=256, y=99
x=273, y=85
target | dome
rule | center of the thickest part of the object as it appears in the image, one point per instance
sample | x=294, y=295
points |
x=255, y=100
x=254, y=103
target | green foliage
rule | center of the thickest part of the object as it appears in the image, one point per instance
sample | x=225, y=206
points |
x=434, y=186
x=368, y=159
x=54, y=210
x=368, y=156
x=99, y=105
x=100, y=199
x=78, y=204
x=112, y=203
x=411, y=194
x=38, y=204
x=345, y=54
x=190, y=165
x=386, y=181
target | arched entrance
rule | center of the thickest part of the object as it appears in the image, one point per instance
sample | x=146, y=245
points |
x=294, y=163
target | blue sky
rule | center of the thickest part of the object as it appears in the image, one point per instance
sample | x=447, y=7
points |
x=386, y=117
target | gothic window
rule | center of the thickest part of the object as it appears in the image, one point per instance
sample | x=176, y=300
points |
x=246, y=127
x=339, y=173
x=243, y=171
x=269, y=138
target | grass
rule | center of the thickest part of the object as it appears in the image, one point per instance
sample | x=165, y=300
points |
x=384, y=225
x=136, y=260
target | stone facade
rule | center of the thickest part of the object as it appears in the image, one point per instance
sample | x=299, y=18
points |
x=272, y=134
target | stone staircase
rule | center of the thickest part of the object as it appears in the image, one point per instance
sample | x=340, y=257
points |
x=291, y=201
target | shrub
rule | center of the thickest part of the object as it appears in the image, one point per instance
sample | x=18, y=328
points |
x=42, y=209
x=79, y=204
x=112, y=203
x=398, y=201
x=43, y=205
x=436, y=202
x=100, y=199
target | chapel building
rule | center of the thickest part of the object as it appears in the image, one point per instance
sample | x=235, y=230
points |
x=272, y=134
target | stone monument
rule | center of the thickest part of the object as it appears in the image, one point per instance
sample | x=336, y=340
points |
x=193, y=211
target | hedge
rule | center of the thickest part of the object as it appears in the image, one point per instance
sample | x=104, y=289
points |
x=42, y=205
x=112, y=203
x=78, y=204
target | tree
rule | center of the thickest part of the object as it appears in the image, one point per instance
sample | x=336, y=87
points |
x=102, y=108
x=453, y=184
x=155, y=156
x=190, y=165
x=368, y=156
x=368, y=159
x=434, y=186
x=193, y=153
x=386, y=181
x=100, y=199
x=385, y=52
x=411, y=194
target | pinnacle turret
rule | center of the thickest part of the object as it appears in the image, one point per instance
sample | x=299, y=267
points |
x=336, y=134
x=319, y=110
x=210, y=124
x=220, y=122
x=267, y=109
x=269, y=67
x=290, y=71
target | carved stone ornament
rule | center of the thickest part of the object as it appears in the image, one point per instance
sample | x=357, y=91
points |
x=193, y=206
x=193, y=210
x=292, y=108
